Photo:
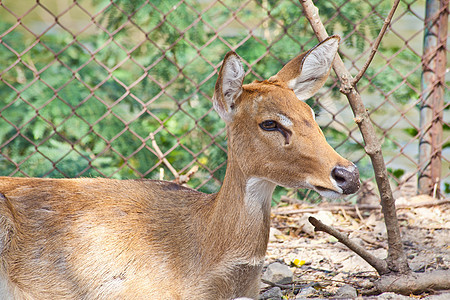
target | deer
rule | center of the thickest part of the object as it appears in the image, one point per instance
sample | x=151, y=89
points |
x=99, y=238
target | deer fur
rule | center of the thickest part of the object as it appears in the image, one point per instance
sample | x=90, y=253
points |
x=94, y=238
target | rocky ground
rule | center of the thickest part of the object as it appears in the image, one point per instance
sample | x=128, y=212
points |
x=315, y=265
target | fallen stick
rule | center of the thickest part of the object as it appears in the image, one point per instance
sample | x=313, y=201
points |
x=414, y=282
x=281, y=286
x=336, y=208
x=402, y=283
x=379, y=264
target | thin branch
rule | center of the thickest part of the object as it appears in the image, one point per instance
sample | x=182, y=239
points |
x=332, y=208
x=281, y=286
x=336, y=208
x=379, y=264
x=179, y=179
x=186, y=177
x=162, y=158
x=375, y=45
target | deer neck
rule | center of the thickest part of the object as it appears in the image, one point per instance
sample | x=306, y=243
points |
x=250, y=196
x=242, y=211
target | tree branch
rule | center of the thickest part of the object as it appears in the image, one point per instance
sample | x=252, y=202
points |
x=336, y=208
x=379, y=264
x=179, y=179
x=186, y=177
x=162, y=158
x=396, y=259
x=414, y=282
x=375, y=45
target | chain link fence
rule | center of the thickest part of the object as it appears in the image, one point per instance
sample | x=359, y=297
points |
x=122, y=89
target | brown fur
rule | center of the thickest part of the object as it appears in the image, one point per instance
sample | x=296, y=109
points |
x=102, y=238
x=143, y=239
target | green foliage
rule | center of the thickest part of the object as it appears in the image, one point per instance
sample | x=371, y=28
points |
x=386, y=78
x=97, y=97
x=396, y=172
x=351, y=13
x=411, y=131
x=70, y=115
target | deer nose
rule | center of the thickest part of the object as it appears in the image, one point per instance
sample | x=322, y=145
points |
x=347, y=178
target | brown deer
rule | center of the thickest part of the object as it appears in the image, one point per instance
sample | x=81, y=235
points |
x=143, y=239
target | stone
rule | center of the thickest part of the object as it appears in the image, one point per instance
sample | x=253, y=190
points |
x=278, y=273
x=380, y=229
x=305, y=226
x=392, y=296
x=326, y=217
x=272, y=294
x=346, y=291
x=274, y=235
x=442, y=296
x=305, y=293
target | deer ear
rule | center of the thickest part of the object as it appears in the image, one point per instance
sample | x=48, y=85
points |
x=307, y=73
x=228, y=86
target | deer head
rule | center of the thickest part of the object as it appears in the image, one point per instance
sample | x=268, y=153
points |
x=273, y=135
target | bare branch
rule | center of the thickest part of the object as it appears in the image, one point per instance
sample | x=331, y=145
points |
x=407, y=284
x=336, y=208
x=281, y=286
x=179, y=179
x=375, y=45
x=162, y=158
x=379, y=264
x=186, y=177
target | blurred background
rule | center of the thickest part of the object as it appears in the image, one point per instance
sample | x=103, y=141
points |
x=89, y=87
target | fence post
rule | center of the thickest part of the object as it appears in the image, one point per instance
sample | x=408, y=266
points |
x=432, y=96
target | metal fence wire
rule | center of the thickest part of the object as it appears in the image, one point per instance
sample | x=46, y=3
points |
x=122, y=89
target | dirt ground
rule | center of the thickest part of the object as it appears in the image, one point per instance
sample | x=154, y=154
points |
x=321, y=265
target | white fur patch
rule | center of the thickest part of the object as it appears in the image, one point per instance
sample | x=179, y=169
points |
x=285, y=121
x=313, y=113
x=258, y=195
x=9, y=291
x=5, y=291
x=330, y=194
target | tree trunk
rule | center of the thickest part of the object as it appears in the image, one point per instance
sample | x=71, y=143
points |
x=434, y=61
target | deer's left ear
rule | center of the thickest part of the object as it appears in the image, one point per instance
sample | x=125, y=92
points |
x=307, y=73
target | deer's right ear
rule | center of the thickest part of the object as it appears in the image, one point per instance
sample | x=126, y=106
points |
x=228, y=86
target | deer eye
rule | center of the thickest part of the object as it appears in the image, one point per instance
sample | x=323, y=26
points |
x=269, y=125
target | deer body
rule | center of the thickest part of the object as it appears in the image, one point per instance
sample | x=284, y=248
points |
x=144, y=239
x=116, y=243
